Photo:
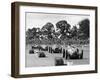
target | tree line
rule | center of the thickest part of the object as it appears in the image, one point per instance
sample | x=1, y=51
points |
x=62, y=32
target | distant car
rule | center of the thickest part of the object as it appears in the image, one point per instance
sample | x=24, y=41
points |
x=31, y=51
x=44, y=47
x=42, y=55
x=56, y=49
x=35, y=47
x=40, y=47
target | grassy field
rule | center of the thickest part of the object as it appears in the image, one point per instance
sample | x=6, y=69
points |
x=32, y=60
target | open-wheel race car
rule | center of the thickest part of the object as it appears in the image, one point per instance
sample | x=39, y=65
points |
x=40, y=47
x=55, y=49
x=71, y=52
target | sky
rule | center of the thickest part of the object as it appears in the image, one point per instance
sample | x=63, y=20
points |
x=40, y=19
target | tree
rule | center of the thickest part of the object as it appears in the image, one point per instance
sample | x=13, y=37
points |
x=29, y=34
x=84, y=28
x=63, y=28
x=74, y=31
x=33, y=33
x=48, y=30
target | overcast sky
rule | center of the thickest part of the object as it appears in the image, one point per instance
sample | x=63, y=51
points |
x=40, y=19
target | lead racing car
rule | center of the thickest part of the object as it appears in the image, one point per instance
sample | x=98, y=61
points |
x=71, y=52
